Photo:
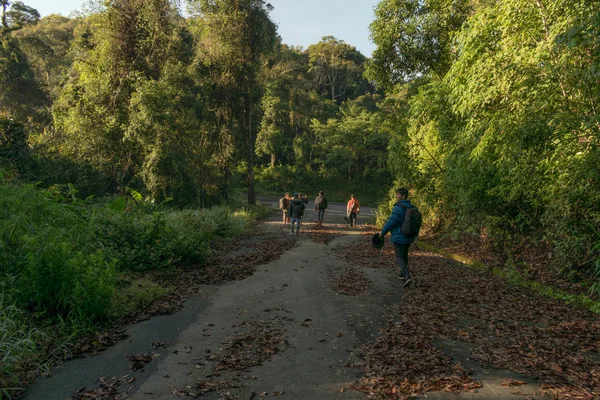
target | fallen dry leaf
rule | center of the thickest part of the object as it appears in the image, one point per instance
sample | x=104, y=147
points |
x=108, y=389
x=513, y=382
x=138, y=361
x=350, y=281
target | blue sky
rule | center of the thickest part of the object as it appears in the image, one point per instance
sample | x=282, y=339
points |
x=301, y=22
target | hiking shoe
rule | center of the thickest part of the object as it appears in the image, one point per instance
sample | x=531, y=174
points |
x=402, y=278
x=408, y=282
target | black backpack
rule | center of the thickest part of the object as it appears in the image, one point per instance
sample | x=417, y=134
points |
x=411, y=226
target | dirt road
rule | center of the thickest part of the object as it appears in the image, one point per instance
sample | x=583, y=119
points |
x=284, y=332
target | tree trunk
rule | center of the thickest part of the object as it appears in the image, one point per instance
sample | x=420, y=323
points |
x=250, y=152
x=4, y=8
x=273, y=159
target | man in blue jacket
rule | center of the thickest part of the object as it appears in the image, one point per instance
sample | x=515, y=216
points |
x=400, y=241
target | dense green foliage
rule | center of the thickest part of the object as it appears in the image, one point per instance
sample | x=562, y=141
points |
x=504, y=142
x=60, y=255
x=180, y=108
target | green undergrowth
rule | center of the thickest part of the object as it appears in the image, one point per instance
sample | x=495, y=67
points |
x=514, y=277
x=135, y=293
x=72, y=265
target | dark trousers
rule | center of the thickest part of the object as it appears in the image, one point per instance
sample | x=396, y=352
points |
x=352, y=219
x=320, y=215
x=402, y=258
x=298, y=221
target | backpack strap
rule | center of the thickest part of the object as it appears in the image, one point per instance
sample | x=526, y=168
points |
x=406, y=210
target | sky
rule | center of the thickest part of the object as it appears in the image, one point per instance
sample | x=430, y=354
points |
x=300, y=22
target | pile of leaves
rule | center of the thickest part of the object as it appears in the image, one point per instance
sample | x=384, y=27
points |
x=139, y=361
x=259, y=341
x=323, y=234
x=350, y=281
x=222, y=269
x=208, y=386
x=505, y=327
x=364, y=255
x=108, y=389
x=404, y=361
x=99, y=341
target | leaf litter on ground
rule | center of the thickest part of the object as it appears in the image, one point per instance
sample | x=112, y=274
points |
x=108, y=389
x=139, y=361
x=207, y=386
x=505, y=327
x=350, y=282
x=256, y=344
x=323, y=234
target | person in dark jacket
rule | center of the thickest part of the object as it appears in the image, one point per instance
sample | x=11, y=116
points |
x=320, y=207
x=401, y=242
x=296, y=212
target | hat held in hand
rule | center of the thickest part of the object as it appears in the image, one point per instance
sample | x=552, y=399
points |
x=377, y=241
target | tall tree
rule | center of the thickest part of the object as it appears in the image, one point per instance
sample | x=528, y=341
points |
x=338, y=68
x=414, y=37
x=16, y=15
x=122, y=108
x=20, y=94
x=46, y=45
x=237, y=35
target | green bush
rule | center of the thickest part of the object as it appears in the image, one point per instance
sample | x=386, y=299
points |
x=143, y=242
x=194, y=230
x=136, y=295
x=60, y=256
x=139, y=241
x=51, y=256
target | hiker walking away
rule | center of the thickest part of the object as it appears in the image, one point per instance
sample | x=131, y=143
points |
x=284, y=205
x=404, y=224
x=304, y=199
x=320, y=207
x=296, y=212
x=352, y=210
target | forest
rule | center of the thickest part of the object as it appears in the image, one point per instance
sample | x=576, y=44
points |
x=135, y=133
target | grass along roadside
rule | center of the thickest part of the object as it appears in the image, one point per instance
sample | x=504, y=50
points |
x=517, y=279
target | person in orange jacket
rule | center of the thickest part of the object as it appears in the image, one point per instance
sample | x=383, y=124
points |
x=352, y=210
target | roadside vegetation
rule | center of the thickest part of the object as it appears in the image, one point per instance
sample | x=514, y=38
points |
x=499, y=136
x=67, y=265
